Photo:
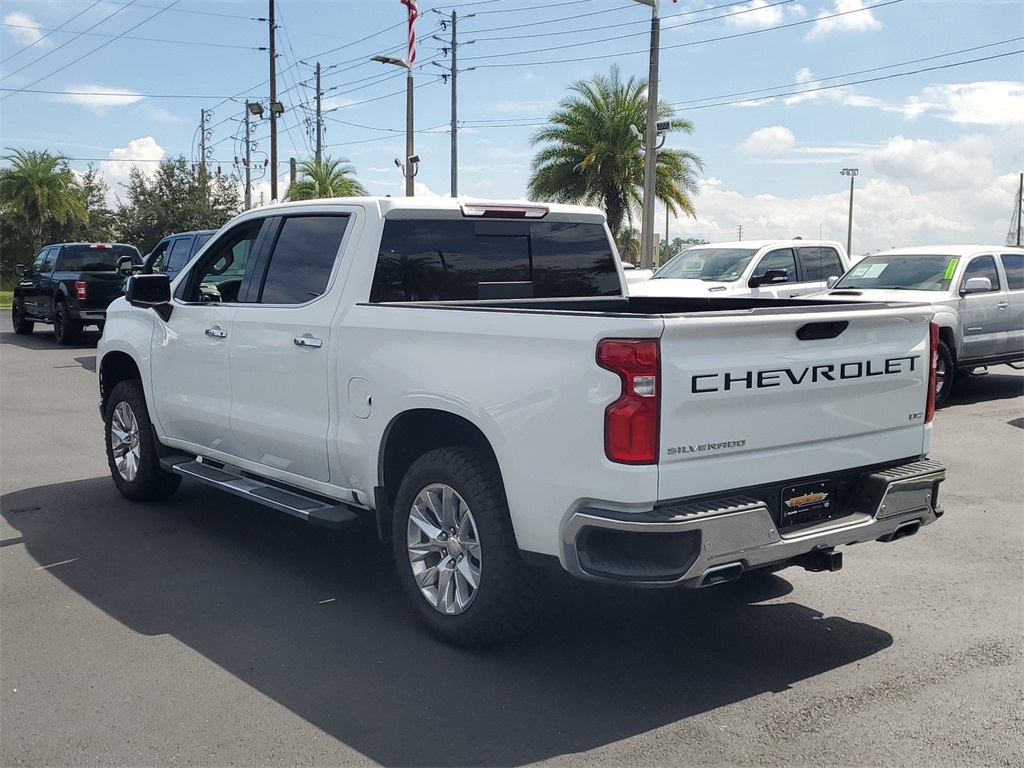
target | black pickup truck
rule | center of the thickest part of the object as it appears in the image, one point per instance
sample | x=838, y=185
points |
x=70, y=285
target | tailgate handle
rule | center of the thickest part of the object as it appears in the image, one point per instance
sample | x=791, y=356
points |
x=813, y=331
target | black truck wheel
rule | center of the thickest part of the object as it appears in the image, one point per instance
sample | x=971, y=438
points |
x=66, y=330
x=22, y=325
x=456, y=553
x=131, y=446
x=945, y=373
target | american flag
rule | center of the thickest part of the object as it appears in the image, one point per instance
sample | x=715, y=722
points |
x=413, y=14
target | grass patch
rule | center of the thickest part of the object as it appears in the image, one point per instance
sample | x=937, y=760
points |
x=5, y=299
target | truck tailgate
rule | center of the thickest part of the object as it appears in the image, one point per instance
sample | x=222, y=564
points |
x=101, y=289
x=750, y=397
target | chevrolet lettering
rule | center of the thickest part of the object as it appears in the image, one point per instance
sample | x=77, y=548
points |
x=812, y=374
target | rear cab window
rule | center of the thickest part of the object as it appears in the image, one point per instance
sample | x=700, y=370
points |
x=820, y=263
x=1013, y=266
x=95, y=258
x=470, y=260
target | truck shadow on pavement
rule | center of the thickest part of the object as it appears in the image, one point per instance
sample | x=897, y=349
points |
x=42, y=338
x=988, y=387
x=316, y=621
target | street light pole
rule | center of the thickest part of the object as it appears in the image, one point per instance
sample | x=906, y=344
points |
x=852, y=173
x=409, y=167
x=650, y=137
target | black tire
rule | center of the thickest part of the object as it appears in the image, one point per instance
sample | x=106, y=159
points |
x=22, y=325
x=944, y=375
x=66, y=330
x=507, y=596
x=131, y=446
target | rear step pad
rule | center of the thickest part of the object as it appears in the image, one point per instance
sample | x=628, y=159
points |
x=309, y=509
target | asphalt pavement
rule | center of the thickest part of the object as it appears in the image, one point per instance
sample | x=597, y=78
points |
x=205, y=631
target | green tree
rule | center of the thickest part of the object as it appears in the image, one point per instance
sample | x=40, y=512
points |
x=37, y=190
x=325, y=178
x=628, y=242
x=174, y=199
x=592, y=156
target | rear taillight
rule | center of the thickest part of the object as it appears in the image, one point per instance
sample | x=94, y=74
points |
x=929, y=408
x=81, y=291
x=631, y=423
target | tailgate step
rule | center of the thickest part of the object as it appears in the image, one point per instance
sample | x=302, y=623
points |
x=307, y=508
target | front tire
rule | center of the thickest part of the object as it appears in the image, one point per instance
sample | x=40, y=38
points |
x=22, y=325
x=66, y=330
x=131, y=446
x=456, y=553
x=945, y=372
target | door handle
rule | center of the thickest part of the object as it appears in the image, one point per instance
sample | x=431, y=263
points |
x=1003, y=305
x=216, y=333
x=307, y=341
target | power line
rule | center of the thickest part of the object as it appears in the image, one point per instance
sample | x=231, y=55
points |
x=618, y=54
x=133, y=37
x=48, y=32
x=94, y=50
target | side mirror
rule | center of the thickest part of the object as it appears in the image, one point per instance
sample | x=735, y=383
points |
x=153, y=291
x=977, y=285
x=770, y=277
x=19, y=270
x=832, y=280
x=125, y=265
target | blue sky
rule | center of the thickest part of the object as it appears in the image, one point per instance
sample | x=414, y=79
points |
x=924, y=97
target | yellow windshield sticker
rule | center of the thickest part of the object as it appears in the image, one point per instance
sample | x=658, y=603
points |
x=951, y=269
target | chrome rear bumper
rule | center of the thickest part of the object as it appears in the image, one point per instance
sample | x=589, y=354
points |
x=688, y=543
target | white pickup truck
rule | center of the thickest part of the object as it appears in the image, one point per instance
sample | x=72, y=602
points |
x=756, y=268
x=470, y=378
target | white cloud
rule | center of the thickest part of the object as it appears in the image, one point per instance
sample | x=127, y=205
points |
x=909, y=192
x=99, y=98
x=143, y=154
x=999, y=103
x=855, y=18
x=929, y=164
x=776, y=138
x=24, y=29
x=757, y=14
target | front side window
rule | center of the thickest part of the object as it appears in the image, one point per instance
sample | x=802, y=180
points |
x=303, y=259
x=177, y=257
x=983, y=266
x=159, y=256
x=782, y=259
x=1013, y=266
x=820, y=263
x=218, y=277
x=723, y=265
x=40, y=260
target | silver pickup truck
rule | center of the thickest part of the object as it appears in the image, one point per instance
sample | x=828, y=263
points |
x=977, y=292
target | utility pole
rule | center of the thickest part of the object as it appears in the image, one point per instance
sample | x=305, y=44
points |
x=739, y=233
x=1020, y=203
x=650, y=136
x=453, y=74
x=273, y=107
x=319, y=118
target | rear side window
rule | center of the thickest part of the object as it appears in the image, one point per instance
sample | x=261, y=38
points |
x=983, y=266
x=91, y=258
x=458, y=260
x=820, y=263
x=1013, y=265
x=303, y=259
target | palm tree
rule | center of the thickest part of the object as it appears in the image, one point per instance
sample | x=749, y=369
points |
x=40, y=189
x=325, y=178
x=592, y=155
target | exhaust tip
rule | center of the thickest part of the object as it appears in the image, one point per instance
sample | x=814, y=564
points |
x=721, y=574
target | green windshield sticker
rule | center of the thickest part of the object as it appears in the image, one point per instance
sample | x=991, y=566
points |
x=951, y=269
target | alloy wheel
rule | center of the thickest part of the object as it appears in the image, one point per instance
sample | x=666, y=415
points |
x=124, y=441
x=444, y=549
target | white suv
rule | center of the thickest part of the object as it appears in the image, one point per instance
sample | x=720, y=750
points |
x=758, y=268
